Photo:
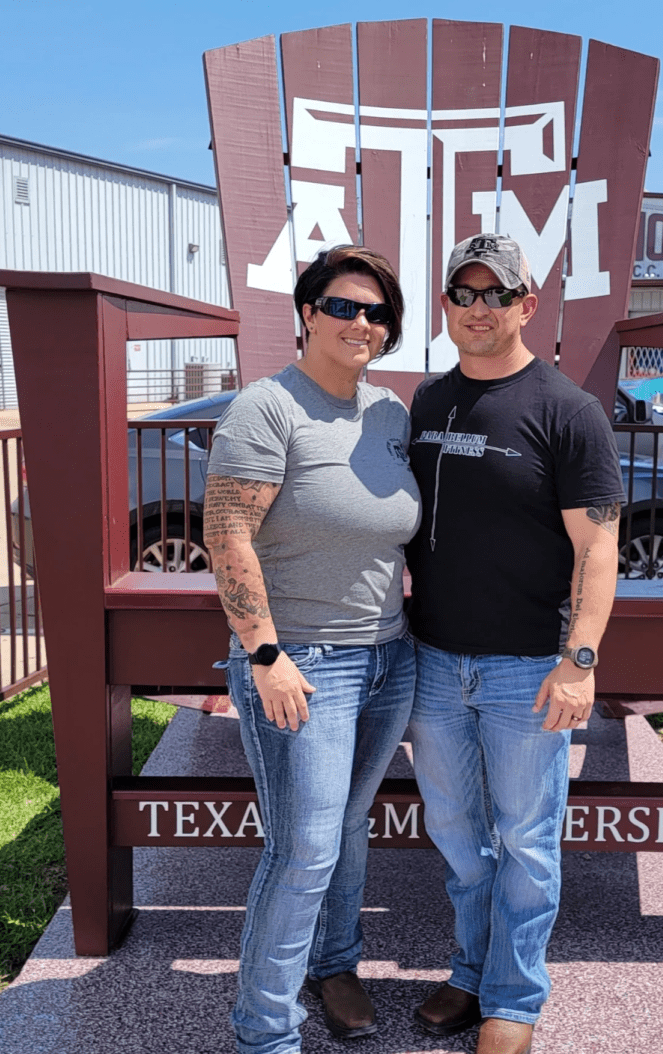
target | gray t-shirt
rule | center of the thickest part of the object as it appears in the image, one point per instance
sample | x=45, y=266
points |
x=331, y=545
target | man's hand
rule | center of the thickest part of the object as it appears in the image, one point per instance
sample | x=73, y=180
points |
x=281, y=687
x=569, y=692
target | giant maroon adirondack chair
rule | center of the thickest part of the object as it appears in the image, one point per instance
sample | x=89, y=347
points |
x=108, y=628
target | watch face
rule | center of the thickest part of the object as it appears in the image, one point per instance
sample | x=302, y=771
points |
x=585, y=657
x=266, y=654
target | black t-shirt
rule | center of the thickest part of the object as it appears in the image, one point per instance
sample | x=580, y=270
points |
x=496, y=462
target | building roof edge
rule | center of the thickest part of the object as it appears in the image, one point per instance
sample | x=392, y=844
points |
x=98, y=162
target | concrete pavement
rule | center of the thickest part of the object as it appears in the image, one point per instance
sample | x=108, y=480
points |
x=170, y=987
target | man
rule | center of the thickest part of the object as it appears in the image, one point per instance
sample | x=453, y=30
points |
x=513, y=578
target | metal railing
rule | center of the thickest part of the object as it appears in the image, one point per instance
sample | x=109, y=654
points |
x=167, y=464
x=22, y=650
x=191, y=381
x=166, y=504
x=166, y=494
x=640, y=531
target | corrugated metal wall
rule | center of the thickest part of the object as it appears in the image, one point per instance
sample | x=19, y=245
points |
x=645, y=302
x=61, y=212
x=7, y=383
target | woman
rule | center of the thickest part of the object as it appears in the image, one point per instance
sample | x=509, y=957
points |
x=310, y=499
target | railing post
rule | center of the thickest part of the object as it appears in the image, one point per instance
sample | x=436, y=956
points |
x=81, y=531
x=69, y=333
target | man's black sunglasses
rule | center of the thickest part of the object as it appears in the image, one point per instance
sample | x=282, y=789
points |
x=339, y=307
x=497, y=296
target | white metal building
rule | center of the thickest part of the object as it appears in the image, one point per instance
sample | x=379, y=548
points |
x=61, y=211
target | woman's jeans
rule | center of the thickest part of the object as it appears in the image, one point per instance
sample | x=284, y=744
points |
x=495, y=788
x=315, y=787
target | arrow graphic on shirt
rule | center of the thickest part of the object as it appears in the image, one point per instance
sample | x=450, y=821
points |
x=504, y=450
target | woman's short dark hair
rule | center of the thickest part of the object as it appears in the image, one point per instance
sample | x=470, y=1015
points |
x=353, y=259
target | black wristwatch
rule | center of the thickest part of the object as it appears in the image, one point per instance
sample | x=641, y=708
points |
x=265, y=655
x=584, y=657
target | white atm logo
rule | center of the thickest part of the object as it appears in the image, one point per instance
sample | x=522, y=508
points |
x=320, y=143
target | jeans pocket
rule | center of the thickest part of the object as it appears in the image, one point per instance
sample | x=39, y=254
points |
x=305, y=656
x=543, y=660
x=409, y=639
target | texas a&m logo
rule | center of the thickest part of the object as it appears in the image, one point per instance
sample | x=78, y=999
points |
x=380, y=152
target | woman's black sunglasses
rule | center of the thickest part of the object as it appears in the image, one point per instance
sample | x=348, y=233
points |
x=339, y=307
x=464, y=296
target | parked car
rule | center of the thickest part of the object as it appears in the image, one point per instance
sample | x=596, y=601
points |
x=648, y=388
x=627, y=409
x=208, y=408
x=642, y=542
x=631, y=409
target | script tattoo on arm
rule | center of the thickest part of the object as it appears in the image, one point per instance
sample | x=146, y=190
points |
x=234, y=507
x=234, y=511
x=607, y=516
x=578, y=601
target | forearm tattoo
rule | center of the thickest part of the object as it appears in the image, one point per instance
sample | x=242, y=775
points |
x=234, y=512
x=607, y=516
x=577, y=610
x=238, y=598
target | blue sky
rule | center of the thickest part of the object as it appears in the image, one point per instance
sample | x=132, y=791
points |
x=123, y=80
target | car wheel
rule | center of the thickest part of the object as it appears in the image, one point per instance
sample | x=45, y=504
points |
x=639, y=551
x=175, y=550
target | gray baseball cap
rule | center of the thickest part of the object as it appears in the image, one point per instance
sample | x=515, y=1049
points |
x=501, y=254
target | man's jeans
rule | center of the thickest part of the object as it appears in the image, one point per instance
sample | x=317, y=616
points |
x=315, y=788
x=495, y=788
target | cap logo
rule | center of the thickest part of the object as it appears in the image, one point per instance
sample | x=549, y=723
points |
x=482, y=246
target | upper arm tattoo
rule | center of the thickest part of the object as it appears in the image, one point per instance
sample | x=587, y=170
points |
x=607, y=516
x=234, y=512
x=236, y=506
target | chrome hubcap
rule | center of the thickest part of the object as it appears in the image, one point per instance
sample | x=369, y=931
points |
x=639, y=558
x=153, y=557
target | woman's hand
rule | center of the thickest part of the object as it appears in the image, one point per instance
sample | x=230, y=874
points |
x=281, y=687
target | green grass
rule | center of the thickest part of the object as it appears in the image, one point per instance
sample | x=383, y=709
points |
x=656, y=721
x=33, y=878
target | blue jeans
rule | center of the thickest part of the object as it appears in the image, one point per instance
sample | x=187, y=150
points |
x=315, y=787
x=495, y=788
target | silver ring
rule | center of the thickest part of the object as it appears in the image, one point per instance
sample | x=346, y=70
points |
x=576, y=719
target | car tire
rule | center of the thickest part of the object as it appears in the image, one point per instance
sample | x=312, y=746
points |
x=199, y=560
x=639, y=549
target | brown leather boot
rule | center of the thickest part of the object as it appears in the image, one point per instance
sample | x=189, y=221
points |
x=497, y=1036
x=349, y=1012
x=449, y=1010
